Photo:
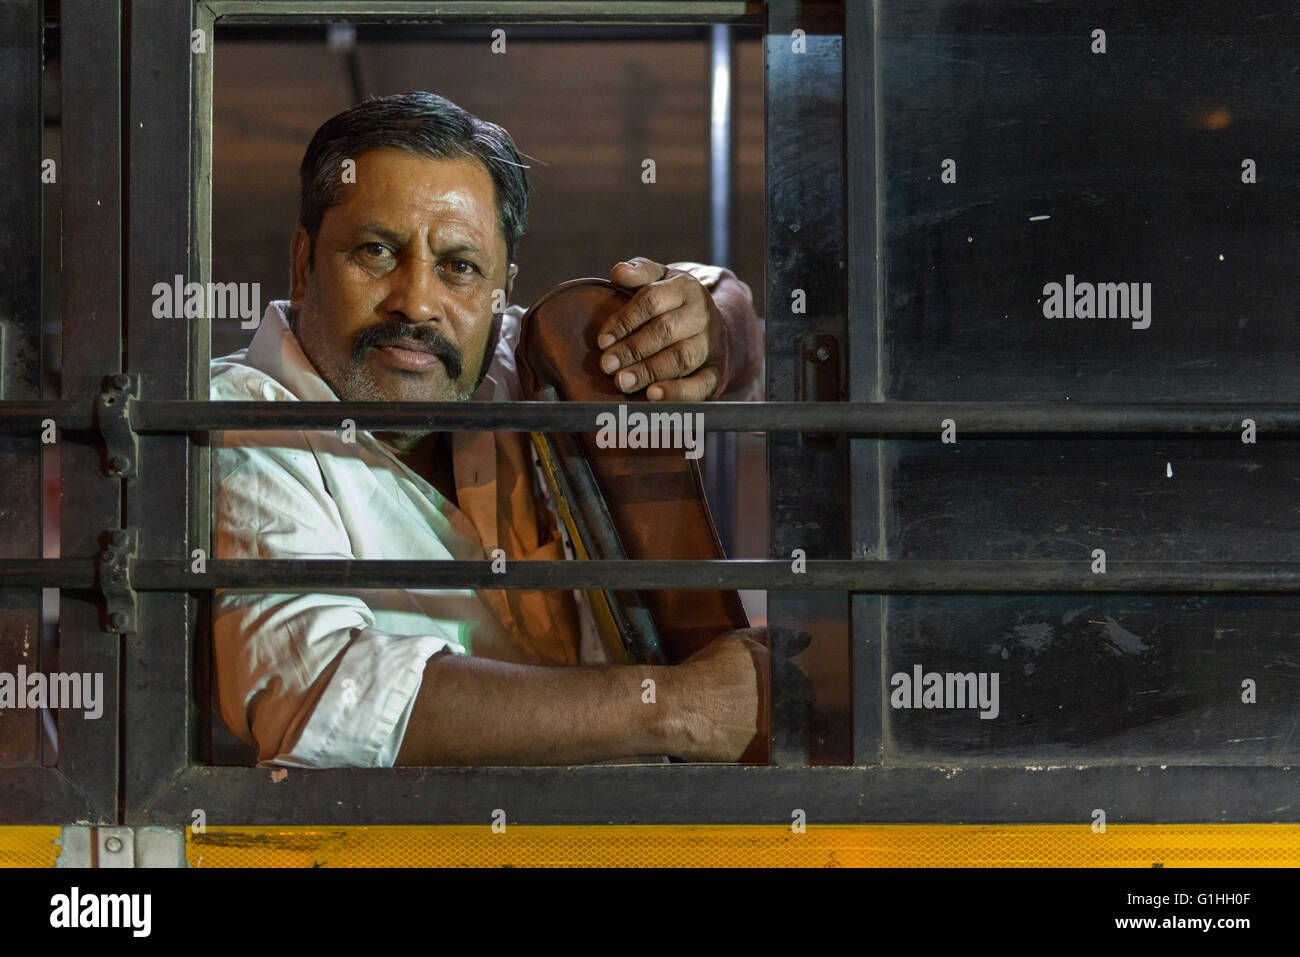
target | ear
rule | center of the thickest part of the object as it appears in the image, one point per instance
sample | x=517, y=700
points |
x=299, y=247
x=510, y=280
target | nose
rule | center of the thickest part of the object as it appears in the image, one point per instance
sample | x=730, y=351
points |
x=413, y=290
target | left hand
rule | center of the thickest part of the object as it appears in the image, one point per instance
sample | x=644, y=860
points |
x=663, y=338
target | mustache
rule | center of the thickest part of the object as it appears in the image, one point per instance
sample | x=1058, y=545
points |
x=406, y=336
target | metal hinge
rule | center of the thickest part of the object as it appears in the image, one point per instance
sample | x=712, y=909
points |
x=114, y=573
x=121, y=847
x=114, y=418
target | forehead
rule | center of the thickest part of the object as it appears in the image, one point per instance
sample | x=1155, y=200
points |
x=405, y=191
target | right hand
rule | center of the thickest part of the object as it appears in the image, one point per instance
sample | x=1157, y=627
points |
x=723, y=686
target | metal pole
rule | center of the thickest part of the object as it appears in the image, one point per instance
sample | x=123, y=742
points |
x=720, y=448
x=876, y=577
x=884, y=419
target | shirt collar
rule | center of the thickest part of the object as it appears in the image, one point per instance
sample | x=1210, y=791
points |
x=276, y=351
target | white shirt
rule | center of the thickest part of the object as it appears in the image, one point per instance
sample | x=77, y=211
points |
x=329, y=680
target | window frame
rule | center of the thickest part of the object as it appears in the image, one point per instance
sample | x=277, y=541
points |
x=156, y=180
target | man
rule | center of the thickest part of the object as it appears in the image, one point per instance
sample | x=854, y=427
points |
x=411, y=209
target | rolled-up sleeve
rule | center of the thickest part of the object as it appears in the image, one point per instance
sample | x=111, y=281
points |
x=306, y=678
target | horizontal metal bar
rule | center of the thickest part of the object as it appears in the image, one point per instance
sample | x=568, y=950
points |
x=851, y=418
x=923, y=418
x=70, y=573
x=30, y=416
x=471, y=32
x=541, y=11
x=877, y=577
x=1052, y=791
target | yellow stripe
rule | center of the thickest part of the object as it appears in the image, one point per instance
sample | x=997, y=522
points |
x=1049, y=845
x=29, y=846
x=1056, y=845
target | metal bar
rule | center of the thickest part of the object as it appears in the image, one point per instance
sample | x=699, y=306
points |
x=867, y=477
x=163, y=499
x=200, y=477
x=916, y=577
x=720, y=473
x=68, y=415
x=863, y=576
x=65, y=573
x=21, y=204
x=874, y=577
x=471, y=32
x=720, y=145
x=1157, y=791
x=859, y=418
x=867, y=419
x=806, y=295
x=504, y=11
x=91, y=503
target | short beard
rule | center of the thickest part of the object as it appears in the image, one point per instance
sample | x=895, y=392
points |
x=352, y=387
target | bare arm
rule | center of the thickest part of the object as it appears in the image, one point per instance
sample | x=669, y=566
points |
x=473, y=711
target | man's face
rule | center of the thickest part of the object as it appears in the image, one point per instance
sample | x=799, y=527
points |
x=399, y=304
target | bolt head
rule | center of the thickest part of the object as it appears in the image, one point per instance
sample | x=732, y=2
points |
x=118, y=621
x=823, y=353
x=113, y=844
x=119, y=463
x=121, y=380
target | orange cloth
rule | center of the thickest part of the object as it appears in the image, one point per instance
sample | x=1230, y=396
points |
x=495, y=485
x=508, y=515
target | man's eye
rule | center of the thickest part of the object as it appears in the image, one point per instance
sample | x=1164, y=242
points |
x=374, y=250
x=460, y=267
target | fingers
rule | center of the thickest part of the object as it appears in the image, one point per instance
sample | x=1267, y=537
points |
x=693, y=388
x=647, y=357
x=636, y=272
x=666, y=292
x=660, y=336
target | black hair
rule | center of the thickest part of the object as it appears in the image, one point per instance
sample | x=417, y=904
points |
x=421, y=123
